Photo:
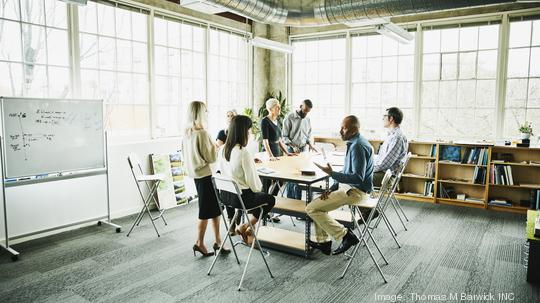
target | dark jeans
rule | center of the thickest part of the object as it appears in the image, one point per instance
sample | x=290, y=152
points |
x=293, y=190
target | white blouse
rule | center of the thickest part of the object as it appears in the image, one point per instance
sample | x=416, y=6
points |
x=241, y=168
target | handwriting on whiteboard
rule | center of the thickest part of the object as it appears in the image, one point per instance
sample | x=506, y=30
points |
x=23, y=139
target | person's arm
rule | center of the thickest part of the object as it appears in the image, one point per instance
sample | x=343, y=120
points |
x=388, y=159
x=284, y=148
x=309, y=140
x=221, y=137
x=359, y=162
x=206, y=147
x=285, y=134
x=250, y=171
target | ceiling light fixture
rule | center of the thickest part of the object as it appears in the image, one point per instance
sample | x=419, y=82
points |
x=395, y=32
x=271, y=45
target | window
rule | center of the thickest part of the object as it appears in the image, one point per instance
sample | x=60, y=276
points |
x=523, y=77
x=382, y=76
x=318, y=74
x=227, y=76
x=180, y=70
x=34, y=49
x=114, y=64
x=458, y=97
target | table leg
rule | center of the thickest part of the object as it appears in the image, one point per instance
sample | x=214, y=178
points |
x=308, y=222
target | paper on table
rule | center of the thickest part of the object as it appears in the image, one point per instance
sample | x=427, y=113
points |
x=265, y=170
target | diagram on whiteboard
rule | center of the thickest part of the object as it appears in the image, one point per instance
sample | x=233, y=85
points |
x=48, y=136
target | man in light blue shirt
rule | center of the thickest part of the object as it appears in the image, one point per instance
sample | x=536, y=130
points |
x=352, y=187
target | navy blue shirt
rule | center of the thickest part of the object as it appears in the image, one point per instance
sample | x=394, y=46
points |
x=358, y=166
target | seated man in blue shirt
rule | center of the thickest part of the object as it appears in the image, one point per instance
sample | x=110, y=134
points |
x=352, y=186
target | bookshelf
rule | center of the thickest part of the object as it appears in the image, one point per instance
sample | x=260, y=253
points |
x=459, y=175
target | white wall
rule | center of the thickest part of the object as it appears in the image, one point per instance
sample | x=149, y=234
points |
x=42, y=206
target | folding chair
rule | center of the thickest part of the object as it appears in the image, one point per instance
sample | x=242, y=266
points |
x=365, y=232
x=140, y=177
x=225, y=184
x=393, y=200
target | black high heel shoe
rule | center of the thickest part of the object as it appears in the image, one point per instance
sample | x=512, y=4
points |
x=204, y=254
x=224, y=250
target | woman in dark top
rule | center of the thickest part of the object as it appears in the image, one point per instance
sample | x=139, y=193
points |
x=271, y=132
x=222, y=135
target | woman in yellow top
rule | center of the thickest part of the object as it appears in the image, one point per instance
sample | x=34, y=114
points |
x=199, y=151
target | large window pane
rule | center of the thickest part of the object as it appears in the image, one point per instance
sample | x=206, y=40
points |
x=114, y=66
x=523, y=80
x=382, y=77
x=318, y=71
x=453, y=109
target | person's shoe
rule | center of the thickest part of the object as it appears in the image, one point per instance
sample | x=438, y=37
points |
x=349, y=240
x=324, y=247
x=366, y=215
x=245, y=232
x=203, y=253
x=275, y=219
x=232, y=229
x=224, y=250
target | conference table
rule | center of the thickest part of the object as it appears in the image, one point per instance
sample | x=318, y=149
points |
x=289, y=169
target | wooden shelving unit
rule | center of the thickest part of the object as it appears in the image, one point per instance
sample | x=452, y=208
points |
x=459, y=176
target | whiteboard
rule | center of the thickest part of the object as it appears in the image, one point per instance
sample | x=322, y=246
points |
x=44, y=136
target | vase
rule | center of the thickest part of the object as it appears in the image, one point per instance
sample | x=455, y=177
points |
x=525, y=136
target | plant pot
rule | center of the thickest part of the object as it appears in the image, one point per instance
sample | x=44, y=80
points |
x=525, y=136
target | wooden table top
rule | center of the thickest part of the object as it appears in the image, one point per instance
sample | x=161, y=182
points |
x=289, y=168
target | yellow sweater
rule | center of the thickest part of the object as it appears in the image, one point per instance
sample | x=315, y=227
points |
x=198, y=151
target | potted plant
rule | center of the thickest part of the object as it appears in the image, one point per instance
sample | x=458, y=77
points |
x=526, y=130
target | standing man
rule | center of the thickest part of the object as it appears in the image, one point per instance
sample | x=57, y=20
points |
x=296, y=136
x=394, y=148
x=352, y=186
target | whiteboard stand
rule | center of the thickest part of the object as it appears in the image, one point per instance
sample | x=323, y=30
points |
x=108, y=221
x=14, y=253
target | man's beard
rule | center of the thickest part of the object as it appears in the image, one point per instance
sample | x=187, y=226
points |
x=301, y=114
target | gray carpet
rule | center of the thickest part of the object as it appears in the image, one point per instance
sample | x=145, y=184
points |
x=447, y=250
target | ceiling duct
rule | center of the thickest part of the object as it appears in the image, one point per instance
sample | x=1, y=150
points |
x=304, y=13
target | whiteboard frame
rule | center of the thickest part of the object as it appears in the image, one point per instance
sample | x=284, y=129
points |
x=103, y=219
x=54, y=175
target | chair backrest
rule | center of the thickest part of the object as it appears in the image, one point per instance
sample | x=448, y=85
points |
x=223, y=183
x=403, y=164
x=134, y=164
x=386, y=183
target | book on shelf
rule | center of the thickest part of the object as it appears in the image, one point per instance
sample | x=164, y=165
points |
x=433, y=151
x=534, y=202
x=499, y=202
x=429, y=169
x=428, y=188
x=501, y=175
x=479, y=175
x=475, y=155
x=446, y=192
x=474, y=200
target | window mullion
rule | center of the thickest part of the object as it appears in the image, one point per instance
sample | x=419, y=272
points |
x=502, y=64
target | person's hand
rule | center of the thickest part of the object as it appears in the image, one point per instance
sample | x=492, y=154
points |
x=327, y=169
x=257, y=160
x=274, y=159
x=325, y=195
x=292, y=154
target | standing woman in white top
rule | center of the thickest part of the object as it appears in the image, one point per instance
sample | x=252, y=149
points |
x=199, y=151
x=237, y=163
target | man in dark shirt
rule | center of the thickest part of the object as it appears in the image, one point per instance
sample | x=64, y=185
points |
x=352, y=186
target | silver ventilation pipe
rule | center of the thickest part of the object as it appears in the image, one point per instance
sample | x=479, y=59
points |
x=304, y=13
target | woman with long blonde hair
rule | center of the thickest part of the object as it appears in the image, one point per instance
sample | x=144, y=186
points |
x=199, y=152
